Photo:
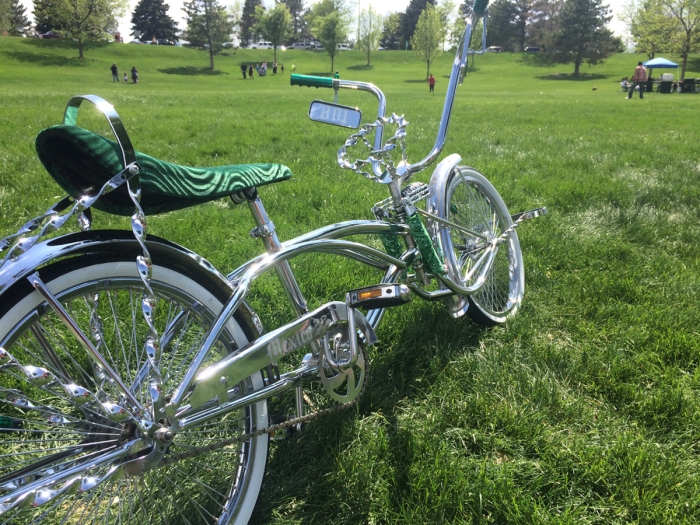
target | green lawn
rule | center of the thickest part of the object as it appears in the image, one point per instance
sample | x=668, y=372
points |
x=582, y=409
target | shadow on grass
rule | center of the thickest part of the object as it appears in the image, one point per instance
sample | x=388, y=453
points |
x=582, y=77
x=308, y=468
x=45, y=60
x=362, y=67
x=193, y=71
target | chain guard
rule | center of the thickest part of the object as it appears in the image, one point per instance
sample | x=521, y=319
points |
x=345, y=385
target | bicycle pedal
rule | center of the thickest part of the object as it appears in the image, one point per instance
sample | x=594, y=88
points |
x=379, y=296
x=528, y=215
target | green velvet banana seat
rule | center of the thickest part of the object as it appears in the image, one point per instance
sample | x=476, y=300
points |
x=82, y=161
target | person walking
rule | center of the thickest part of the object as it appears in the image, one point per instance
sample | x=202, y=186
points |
x=134, y=75
x=431, y=83
x=638, y=79
x=244, y=68
x=126, y=79
x=250, y=71
x=115, y=73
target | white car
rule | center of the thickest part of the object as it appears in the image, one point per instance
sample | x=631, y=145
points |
x=229, y=45
x=343, y=47
x=262, y=45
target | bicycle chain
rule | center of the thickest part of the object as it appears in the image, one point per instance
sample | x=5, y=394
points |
x=268, y=430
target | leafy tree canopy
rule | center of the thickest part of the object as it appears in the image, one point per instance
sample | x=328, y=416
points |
x=391, y=31
x=208, y=25
x=150, y=19
x=248, y=20
x=369, y=32
x=275, y=25
x=83, y=20
x=329, y=26
x=581, y=35
x=429, y=35
x=410, y=19
x=13, y=18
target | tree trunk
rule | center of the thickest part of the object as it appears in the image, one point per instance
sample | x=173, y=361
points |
x=577, y=66
x=274, y=53
x=80, y=50
x=685, y=61
x=211, y=58
x=427, y=73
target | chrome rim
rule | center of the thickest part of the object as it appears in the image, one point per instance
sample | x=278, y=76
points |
x=51, y=433
x=471, y=207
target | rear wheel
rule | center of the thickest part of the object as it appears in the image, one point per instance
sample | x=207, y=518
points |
x=472, y=202
x=49, y=438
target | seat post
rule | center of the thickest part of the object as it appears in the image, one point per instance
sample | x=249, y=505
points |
x=265, y=230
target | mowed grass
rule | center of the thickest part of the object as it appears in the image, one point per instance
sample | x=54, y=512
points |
x=581, y=409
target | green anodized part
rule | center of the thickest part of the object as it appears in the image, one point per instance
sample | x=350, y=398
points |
x=392, y=245
x=425, y=245
x=7, y=422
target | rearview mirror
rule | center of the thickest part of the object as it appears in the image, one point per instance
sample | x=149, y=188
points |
x=335, y=114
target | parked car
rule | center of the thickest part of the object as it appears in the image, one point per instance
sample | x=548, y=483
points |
x=50, y=34
x=183, y=43
x=229, y=45
x=136, y=42
x=343, y=47
x=262, y=45
x=165, y=42
x=532, y=49
x=495, y=49
x=298, y=45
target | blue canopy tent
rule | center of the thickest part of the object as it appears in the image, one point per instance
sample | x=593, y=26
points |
x=660, y=63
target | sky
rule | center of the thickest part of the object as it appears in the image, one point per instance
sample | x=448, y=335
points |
x=381, y=6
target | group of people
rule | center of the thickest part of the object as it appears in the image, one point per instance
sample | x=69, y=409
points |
x=260, y=69
x=115, y=74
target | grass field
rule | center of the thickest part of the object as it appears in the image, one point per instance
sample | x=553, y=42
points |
x=584, y=408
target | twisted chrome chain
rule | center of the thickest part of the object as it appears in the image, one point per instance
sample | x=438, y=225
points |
x=148, y=301
x=381, y=156
x=50, y=221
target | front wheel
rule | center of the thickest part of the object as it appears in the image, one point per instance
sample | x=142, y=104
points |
x=471, y=201
x=60, y=459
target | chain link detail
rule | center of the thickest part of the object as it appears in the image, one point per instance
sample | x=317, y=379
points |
x=270, y=429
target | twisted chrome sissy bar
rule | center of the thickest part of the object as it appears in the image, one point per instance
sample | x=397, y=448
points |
x=20, y=243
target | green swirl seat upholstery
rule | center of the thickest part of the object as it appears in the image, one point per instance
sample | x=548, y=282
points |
x=82, y=161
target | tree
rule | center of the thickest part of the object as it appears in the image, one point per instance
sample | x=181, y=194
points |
x=208, y=25
x=248, y=20
x=501, y=30
x=651, y=28
x=329, y=21
x=581, y=35
x=410, y=19
x=330, y=30
x=274, y=25
x=13, y=18
x=369, y=32
x=296, y=10
x=42, y=16
x=150, y=19
x=428, y=37
x=84, y=20
x=686, y=38
x=391, y=31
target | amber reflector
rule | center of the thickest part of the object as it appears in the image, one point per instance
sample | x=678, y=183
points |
x=369, y=294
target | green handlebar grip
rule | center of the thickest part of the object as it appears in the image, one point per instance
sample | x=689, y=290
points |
x=480, y=6
x=307, y=80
